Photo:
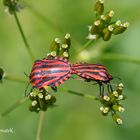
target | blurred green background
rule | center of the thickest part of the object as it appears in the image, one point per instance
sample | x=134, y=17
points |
x=75, y=117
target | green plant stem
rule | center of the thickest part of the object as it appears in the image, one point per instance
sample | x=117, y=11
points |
x=40, y=125
x=23, y=37
x=13, y=107
x=80, y=94
x=15, y=78
x=119, y=57
x=43, y=18
x=85, y=46
x=20, y=79
x=47, y=21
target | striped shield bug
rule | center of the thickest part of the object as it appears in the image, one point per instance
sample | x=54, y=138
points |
x=93, y=72
x=50, y=72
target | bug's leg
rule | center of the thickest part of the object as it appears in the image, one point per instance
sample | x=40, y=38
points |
x=54, y=88
x=87, y=80
x=95, y=83
x=102, y=94
x=110, y=89
x=77, y=78
x=25, y=92
x=101, y=88
x=44, y=90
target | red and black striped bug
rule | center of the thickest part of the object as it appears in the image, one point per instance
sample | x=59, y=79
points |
x=93, y=72
x=50, y=72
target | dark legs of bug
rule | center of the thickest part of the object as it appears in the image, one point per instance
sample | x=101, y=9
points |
x=109, y=87
x=41, y=90
x=101, y=88
x=54, y=89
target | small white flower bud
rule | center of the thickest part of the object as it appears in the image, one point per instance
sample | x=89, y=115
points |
x=38, y=109
x=110, y=28
x=40, y=95
x=32, y=94
x=121, y=109
x=118, y=23
x=126, y=24
x=64, y=46
x=67, y=36
x=48, y=97
x=53, y=53
x=120, y=86
x=111, y=13
x=101, y=1
x=119, y=121
x=103, y=17
x=34, y=103
x=115, y=93
x=106, y=98
x=101, y=108
x=57, y=40
x=120, y=97
x=97, y=22
x=106, y=110
x=65, y=54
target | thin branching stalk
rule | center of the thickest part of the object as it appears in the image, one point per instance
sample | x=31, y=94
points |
x=119, y=57
x=43, y=18
x=85, y=46
x=15, y=78
x=47, y=21
x=23, y=37
x=13, y=107
x=21, y=79
x=40, y=125
x=79, y=94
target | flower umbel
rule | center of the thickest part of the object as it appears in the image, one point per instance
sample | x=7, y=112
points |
x=60, y=48
x=41, y=100
x=103, y=26
x=111, y=103
x=13, y=5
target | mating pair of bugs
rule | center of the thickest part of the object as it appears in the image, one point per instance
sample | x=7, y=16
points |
x=54, y=71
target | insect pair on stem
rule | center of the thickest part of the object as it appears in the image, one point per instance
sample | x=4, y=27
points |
x=51, y=72
x=54, y=71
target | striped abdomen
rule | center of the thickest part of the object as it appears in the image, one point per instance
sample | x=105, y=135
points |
x=95, y=72
x=50, y=72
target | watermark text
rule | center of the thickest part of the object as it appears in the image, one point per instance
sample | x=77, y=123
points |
x=7, y=130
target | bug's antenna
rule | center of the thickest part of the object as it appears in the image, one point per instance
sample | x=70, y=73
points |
x=25, y=93
x=117, y=77
x=54, y=88
x=26, y=74
x=111, y=84
x=77, y=78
